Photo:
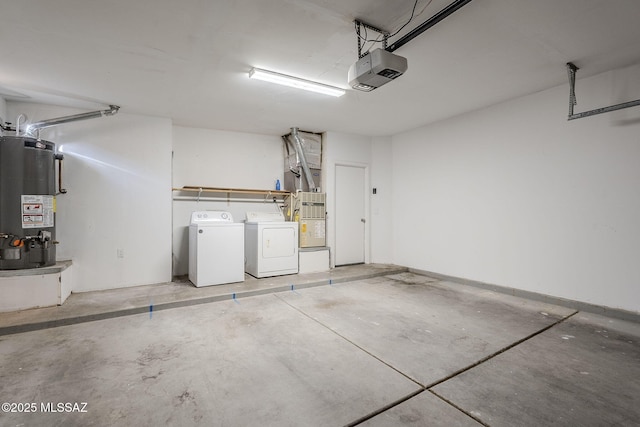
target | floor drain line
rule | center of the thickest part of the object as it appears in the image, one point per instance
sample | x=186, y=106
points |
x=422, y=386
x=468, y=414
x=502, y=350
x=384, y=408
x=485, y=359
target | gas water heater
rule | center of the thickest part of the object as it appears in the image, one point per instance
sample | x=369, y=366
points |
x=27, y=202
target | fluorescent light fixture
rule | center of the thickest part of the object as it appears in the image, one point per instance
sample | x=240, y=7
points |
x=283, y=79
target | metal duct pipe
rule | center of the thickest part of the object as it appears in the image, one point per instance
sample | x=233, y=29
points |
x=33, y=128
x=303, y=159
x=286, y=147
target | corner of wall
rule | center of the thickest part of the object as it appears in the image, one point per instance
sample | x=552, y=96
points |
x=3, y=109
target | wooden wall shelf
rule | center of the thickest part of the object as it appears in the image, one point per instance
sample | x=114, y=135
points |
x=233, y=191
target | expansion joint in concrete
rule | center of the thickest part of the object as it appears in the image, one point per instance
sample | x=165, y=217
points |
x=486, y=359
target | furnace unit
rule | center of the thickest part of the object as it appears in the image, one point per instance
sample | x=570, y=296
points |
x=310, y=210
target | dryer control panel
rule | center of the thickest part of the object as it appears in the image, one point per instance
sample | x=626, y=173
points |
x=255, y=217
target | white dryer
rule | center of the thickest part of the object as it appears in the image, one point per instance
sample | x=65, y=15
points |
x=271, y=244
x=216, y=249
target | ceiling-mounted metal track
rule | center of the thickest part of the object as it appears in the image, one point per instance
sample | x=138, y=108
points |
x=571, y=70
x=448, y=10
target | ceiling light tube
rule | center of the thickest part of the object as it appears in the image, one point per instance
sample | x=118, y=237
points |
x=283, y=79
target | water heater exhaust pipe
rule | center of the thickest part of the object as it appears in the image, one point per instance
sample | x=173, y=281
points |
x=33, y=129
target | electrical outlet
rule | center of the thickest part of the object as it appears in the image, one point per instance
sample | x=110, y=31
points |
x=120, y=253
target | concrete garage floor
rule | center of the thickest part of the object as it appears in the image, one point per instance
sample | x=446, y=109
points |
x=362, y=345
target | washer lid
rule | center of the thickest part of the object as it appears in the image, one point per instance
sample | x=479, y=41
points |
x=206, y=217
x=265, y=217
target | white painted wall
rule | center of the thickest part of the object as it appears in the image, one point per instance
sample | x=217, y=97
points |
x=213, y=158
x=350, y=150
x=203, y=157
x=515, y=195
x=381, y=202
x=117, y=171
x=375, y=154
x=3, y=110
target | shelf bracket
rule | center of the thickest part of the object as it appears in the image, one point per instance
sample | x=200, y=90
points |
x=571, y=70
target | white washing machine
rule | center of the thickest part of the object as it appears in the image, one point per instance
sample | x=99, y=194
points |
x=216, y=249
x=271, y=244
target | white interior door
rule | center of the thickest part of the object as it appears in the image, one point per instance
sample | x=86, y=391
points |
x=350, y=215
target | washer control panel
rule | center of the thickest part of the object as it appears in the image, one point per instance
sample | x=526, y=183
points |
x=203, y=217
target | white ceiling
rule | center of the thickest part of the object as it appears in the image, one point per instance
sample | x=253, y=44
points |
x=189, y=59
